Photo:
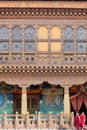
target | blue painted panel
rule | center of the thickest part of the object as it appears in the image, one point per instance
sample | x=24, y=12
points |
x=52, y=104
x=6, y=103
x=2, y=99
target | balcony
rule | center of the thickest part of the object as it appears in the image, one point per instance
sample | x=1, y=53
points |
x=35, y=121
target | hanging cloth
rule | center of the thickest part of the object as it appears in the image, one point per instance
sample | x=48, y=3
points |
x=85, y=101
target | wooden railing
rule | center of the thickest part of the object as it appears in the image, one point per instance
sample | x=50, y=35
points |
x=36, y=121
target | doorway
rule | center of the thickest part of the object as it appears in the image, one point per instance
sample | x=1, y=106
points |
x=82, y=109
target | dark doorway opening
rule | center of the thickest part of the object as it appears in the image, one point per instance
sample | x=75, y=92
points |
x=82, y=109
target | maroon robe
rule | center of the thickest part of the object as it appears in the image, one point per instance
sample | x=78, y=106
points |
x=82, y=120
x=77, y=121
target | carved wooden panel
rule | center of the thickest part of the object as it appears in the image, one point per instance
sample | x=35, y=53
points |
x=17, y=103
x=32, y=102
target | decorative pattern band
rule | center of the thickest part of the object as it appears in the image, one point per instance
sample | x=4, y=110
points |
x=43, y=12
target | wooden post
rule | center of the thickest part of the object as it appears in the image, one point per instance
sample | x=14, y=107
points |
x=5, y=120
x=66, y=101
x=16, y=120
x=24, y=99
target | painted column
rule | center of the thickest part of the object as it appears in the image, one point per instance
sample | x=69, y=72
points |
x=24, y=99
x=66, y=100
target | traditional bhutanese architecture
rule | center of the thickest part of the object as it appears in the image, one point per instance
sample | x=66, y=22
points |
x=43, y=56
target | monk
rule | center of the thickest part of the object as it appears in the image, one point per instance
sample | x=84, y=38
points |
x=77, y=121
x=82, y=120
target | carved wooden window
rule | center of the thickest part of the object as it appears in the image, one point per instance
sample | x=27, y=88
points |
x=55, y=36
x=81, y=39
x=29, y=37
x=42, y=39
x=16, y=39
x=4, y=38
x=68, y=39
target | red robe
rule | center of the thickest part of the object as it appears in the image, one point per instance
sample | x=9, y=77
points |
x=77, y=121
x=82, y=120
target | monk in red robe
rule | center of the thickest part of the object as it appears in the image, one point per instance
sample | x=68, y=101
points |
x=77, y=121
x=82, y=120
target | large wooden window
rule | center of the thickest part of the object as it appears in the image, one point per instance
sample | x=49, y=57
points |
x=32, y=102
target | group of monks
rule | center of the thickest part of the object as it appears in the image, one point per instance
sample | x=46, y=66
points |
x=79, y=121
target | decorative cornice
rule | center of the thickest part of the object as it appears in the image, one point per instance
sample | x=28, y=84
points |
x=43, y=4
x=43, y=69
x=42, y=13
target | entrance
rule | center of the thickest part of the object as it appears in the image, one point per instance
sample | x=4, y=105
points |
x=82, y=109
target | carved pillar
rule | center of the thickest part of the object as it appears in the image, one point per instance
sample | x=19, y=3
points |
x=24, y=99
x=66, y=100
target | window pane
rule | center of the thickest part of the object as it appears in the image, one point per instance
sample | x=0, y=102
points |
x=4, y=33
x=29, y=46
x=55, y=46
x=16, y=33
x=42, y=33
x=55, y=33
x=4, y=46
x=67, y=33
x=30, y=33
x=81, y=33
x=42, y=46
x=16, y=46
x=81, y=47
x=68, y=46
